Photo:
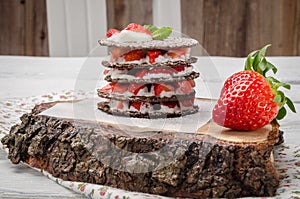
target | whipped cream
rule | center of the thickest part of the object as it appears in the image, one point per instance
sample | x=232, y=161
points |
x=130, y=36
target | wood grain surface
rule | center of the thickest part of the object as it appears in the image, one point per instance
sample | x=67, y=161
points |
x=23, y=25
x=223, y=27
x=122, y=12
x=236, y=27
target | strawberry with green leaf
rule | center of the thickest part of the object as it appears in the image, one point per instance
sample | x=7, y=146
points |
x=249, y=99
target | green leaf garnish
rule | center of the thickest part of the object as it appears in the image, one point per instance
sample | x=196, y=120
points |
x=159, y=33
x=162, y=33
x=151, y=28
x=256, y=61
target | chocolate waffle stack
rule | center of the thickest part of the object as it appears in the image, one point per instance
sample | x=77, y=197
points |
x=151, y=79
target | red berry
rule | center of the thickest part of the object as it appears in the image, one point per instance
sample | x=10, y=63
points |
x=187, y=102
x=170, y=104
x=153, y=54
x=138, y=28
x=108, y=88
x=111, y=32
x=135, y=88
x=161, y=70
x=120, y=105
x=116, y=53
x=179, y=68
x=141, y=73
x=134, y=55
x=136, y=105
x=159, y=88
x=192, y=83
x=246, y=102
x=176, y=53
x=185, y=87
x=120, y=88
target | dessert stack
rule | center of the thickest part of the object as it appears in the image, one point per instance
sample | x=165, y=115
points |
x=149, y=73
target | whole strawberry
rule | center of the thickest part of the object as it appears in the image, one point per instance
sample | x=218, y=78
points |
x=249, y=100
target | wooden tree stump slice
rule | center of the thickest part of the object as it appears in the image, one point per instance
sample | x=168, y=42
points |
x=204, y=164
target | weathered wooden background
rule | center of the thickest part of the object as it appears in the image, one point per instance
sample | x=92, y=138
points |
x=23, y=27
x=223, y=27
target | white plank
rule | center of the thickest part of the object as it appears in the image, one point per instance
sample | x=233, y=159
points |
x=57, y=31
x=77, y=29
x=167, y=13
x=75, y=26
x=97, y=24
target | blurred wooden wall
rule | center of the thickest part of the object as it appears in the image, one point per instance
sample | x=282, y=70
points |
x=223, y=27
x=23, y=25
x=122, y=12
x=236, y=27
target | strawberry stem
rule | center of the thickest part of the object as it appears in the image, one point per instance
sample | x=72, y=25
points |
x=256, y=61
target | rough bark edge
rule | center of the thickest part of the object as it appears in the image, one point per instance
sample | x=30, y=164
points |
x=228, y=170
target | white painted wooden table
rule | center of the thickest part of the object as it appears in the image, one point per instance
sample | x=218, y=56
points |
x=30, y=76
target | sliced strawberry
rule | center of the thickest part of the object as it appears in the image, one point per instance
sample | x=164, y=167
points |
x=159, y=88
x=179, y=68
x=120, y=105
x=134, y=55
x=141, y=73
x=161, y=71
x=187, y=102
x=120, y=88
x=192, y=83
x=108, y=88
x=138, y=28
x=105, y=72
x=153, y=54
x=135, y=88
x=177, y=53
x=184, y=86
x=170, y=104
x=111, y=32
x=136, y=105
x=116, y=53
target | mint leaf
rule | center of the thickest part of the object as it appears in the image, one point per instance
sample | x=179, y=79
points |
x=162, y=33
x=151, y=28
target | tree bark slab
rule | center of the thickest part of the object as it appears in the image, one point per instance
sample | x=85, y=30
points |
x=203, y=165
